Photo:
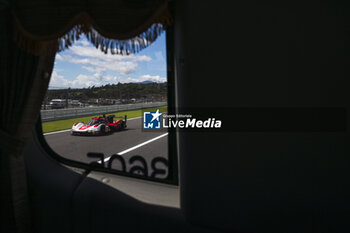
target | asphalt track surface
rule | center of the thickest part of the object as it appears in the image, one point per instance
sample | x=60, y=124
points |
x=128, y=143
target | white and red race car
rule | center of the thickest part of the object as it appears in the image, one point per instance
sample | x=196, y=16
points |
x=99, y=126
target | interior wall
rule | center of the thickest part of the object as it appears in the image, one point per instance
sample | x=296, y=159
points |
x=250, y=54
x=264, y=54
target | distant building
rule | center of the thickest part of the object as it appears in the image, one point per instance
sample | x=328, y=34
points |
x=75, y=103
x=58, y=103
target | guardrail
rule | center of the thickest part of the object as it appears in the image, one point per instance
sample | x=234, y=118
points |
x=61, y=114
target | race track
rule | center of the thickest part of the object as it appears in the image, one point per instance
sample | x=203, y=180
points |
x=127, y=143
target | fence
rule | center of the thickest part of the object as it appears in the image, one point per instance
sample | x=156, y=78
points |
x=61, y=114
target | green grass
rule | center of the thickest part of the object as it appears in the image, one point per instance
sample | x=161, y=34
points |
x=51, y=126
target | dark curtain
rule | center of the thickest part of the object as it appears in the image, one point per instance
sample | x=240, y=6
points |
x=115, y=26
x=20, y=74
x=31, y=32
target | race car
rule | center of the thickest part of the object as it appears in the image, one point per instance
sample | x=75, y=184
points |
x=99, y=125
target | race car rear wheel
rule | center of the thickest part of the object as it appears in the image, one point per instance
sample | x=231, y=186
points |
x=112, y=128
x=103, y=130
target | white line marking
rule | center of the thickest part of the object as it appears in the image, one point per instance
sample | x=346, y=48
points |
x=61, y=131
x=66, y=130
x=134, y=118
x=137, y=146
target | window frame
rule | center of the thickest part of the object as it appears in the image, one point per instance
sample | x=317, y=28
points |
x=173, y=176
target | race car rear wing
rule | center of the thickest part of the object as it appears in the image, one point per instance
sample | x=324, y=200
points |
x=122, y=117
x=110, y=117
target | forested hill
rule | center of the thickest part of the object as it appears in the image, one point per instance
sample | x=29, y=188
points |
x=112, y=91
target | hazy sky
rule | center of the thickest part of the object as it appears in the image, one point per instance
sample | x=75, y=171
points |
x=82, y=65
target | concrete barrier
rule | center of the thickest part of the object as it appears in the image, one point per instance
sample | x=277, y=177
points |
x=61, y=114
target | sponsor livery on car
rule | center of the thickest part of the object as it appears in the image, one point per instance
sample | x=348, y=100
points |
x=99, y=125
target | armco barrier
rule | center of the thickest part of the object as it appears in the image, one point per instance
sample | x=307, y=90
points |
x=61, y=114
